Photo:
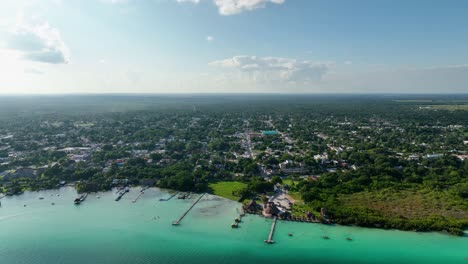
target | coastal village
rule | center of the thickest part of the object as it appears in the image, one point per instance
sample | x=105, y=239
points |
x=275, y=152
x=273, y=163
x=233, y=131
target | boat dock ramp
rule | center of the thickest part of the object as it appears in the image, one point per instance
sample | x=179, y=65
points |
x=188, y=210
x=272, y=231
x=121, y=193
x=167, y=199
x=140, y=194
x=119, y=190
x=238, y=219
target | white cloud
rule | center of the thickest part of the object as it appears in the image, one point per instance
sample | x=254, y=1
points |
x=40, y=43
x=275, y=69
x=209, y=38
x=232, y=7
x=188, y=1
x=114, y=1
x=348, y=62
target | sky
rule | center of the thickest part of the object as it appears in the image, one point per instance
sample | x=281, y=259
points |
x=233, y=46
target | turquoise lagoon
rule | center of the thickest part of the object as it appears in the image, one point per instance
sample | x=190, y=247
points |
x=101, y=230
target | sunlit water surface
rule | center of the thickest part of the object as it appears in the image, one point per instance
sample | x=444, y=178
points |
x=101, y=230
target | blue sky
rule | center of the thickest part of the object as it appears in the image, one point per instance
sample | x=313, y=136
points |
x=211, y=46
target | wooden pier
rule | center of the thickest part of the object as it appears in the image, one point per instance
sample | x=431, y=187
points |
x=121, y=193
x=165, y=200
x=120, y=189
x=139, y=195
x=188, y=210
x=272, y=231
x=238, y=220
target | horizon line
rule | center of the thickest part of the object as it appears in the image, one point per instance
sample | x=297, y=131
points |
x=227, y=93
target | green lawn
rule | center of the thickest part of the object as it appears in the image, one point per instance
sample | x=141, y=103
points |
x=294, y=194
x=431, y=101
x=225, y=189
x=450, y=107
x=413, y=101
x=290, y=182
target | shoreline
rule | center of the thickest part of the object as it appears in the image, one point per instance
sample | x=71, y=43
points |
x=123, y=232
x=259, y=213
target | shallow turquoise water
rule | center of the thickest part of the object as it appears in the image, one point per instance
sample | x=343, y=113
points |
x=105, y=231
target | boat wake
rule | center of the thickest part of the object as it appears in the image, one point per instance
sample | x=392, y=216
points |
x=4, y=218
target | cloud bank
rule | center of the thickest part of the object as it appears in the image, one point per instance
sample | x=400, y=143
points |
x=233, y=7
x=188, y=1
x=275, y=68
x=40, y=43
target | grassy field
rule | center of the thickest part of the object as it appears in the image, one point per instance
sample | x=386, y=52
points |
x=410, y=204
x=289, y=182
x=430, y=101
x=414, y=101
x=226, y=188
x=295, y=195
x=450, y=107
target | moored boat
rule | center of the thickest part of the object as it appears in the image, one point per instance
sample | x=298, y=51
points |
x=80, y=199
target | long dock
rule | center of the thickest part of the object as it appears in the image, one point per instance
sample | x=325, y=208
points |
x=272, y=231
x=141, y=193
x=122, y=192
x=120, y=189
x=186, y=211
x=172, y=196
x=138, y=197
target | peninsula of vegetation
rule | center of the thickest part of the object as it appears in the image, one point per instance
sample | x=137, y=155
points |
x=374, y=161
